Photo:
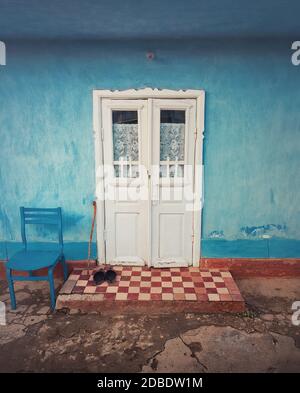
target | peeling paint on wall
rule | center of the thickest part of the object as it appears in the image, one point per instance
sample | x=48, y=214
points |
x=216, y=234
x=264, y=231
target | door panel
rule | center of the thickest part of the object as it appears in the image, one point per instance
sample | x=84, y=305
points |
x=171, y=246
x=126, y=213
x=126, y=241
x=174, y=123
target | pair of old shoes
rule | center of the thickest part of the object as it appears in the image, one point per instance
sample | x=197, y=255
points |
x=100, y=276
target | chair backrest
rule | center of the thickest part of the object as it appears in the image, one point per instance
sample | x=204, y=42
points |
x=37, y=216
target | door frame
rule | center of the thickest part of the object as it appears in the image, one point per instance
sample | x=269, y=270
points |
x=149, y=94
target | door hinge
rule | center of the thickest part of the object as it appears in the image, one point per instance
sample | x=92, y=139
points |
x=102, y=134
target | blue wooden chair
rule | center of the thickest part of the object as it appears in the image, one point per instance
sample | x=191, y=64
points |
x=29, y=260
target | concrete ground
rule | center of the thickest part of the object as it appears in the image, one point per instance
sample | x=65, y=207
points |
x=262, y=339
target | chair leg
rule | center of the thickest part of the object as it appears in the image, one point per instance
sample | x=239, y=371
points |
x=11, y=289
x=52, y=288
x=65, y=268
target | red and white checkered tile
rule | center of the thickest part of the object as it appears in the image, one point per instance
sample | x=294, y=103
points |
x=144, y=284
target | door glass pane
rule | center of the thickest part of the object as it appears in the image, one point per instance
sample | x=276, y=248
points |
x=125, y=143
x=124, y=170
x=172, y=132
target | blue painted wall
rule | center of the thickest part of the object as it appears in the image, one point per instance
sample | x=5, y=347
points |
x=251, y=145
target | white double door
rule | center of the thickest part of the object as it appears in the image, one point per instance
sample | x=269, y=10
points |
x=148, y=156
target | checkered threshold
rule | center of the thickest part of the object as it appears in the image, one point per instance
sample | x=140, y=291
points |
x=142, y=289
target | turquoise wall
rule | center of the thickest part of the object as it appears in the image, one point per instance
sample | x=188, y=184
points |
x=251, y=145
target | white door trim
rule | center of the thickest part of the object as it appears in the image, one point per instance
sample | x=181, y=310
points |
x=148, y=93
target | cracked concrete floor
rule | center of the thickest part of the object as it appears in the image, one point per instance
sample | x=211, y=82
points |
x=262, y=339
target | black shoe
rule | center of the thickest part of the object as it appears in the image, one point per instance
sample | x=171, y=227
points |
x=99, y=277
x=110, y=275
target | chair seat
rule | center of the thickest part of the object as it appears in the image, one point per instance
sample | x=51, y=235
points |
x=26, y=260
